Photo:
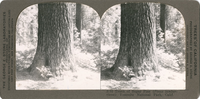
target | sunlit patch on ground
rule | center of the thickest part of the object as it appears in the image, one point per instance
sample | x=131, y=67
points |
x=85, y=79
x=169, y=80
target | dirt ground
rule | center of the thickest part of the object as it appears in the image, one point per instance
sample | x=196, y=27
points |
x=169, y=80
x=81, y=80
x=87, y=79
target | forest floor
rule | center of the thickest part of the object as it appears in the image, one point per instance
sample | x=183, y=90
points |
x=87, y=76
x=82, y=79
x=169, y=80
x=88, y=79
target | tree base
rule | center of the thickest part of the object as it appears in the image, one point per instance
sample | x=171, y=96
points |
x=46, y=72
x=41, y=73
x=117, y=74
x=127, y=73
x=123, y=73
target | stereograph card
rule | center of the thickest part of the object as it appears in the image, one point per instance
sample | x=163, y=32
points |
x=111, y=49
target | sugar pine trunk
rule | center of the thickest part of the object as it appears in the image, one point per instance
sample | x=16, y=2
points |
x=138, y=39
x=54, y=40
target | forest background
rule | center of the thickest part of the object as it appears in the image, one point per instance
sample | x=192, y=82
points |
x=99, y=41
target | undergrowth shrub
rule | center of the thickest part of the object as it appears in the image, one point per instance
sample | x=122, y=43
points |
x=169, y=60
x=45, y=72
x=107, y=58
x=85, y=60
x=24, y=59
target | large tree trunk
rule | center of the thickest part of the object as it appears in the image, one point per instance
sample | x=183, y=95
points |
x=138, y=40
x=53, y=54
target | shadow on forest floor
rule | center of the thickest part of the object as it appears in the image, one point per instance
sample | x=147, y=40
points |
x=106, y=74
x=82, y=79
x=91, y=68
x=169, y=79
x=24, y=75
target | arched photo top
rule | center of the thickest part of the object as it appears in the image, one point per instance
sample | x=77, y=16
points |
x=161, y=9
x=143, y=42
x=58, y=42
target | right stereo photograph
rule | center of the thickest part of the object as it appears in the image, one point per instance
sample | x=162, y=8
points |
x=143, y=47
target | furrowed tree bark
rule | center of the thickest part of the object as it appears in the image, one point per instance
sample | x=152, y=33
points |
x=138, y=40
x=53, y=52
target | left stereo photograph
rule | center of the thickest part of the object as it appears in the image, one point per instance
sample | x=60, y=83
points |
x=58, y=47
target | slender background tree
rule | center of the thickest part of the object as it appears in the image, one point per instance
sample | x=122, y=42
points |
x=79, y=15
x=162, y=18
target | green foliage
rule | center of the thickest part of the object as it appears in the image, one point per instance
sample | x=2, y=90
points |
x=171, y=51
x=45, y=72
x=169, y=60
x=86, y=60
x=107, y=58
x=111, y=26
x=26, y=37
x=174, y=40
x=26, y=28
x=127, y=71
x=24, y=59
x=91, y=41
x=88, y=45
x=89, y=38
x=102, y=41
